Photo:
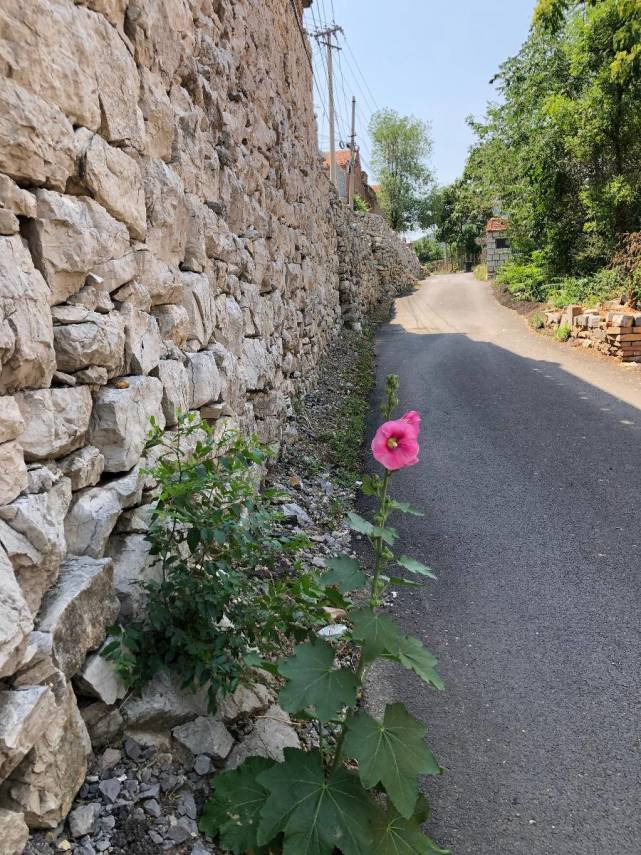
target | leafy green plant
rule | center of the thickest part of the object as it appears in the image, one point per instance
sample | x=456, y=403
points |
x=357, y=793
x=563, y=333
x=536, y=321
x=360, y=204
x=524, y=280
x=216, y=540
x=587, y=291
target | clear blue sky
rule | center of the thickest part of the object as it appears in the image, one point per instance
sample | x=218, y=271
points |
x=429, y=58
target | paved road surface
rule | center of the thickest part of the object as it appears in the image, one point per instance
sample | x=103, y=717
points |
x=531, y=479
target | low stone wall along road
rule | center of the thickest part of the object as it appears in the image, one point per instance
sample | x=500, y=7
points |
x=530, y=479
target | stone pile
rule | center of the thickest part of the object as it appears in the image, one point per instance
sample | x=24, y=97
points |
x=615, y=333
x=168, y=241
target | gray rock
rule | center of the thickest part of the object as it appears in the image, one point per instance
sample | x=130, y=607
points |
x=98, y=679
x=82, y=820
x=24, y=716
x=202, y=765
x=14, y=832
x=270, y=736
x=56, y=421
x=162, y=705
x=205, y=735
x=16, y=621
x=110, y=789
x=83, y=467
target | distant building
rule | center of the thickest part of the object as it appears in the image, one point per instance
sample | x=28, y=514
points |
x=361, y=187
x=497, y=244
x=299, y=5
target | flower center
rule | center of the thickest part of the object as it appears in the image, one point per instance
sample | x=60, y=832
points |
x=392, y=443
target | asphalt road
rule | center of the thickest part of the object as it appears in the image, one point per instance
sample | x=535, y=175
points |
x=530, y=477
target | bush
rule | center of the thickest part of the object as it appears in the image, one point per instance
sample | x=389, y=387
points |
x=428, y=250
x=360, y=204
x=563, y=333
x=536, y=321
x=217, y=540
x=587, y=290
x=480, y=272
x=525, y=281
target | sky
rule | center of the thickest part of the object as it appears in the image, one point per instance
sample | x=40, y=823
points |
x=429, y=58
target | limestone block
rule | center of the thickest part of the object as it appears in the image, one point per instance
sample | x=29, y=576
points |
x=11, y=421
x=36, y=138
x=162, y=32
x=205, y=735
x=233, y=386
x=32, y=534
x=78, y=610
x=161, y=280
x=9, y=224
x=83, y=467
x=176, y=384
x=230, y=328
x=13, y=471
x=158, y=116
x=20, y=202
x=204, y=377
x=143, y=343
x=256, y=364
x=134, y=293
x=195, y=254
x=95, y=511
x=113, y=10
x=44, y=785
x=98, y=679
x=166, y=211
x=162, y=705
x=114, y=180
x=74, y=236
x=24, y=714
x=245, y=701
x=15, y=619
x=56, y=421
x=26, y=332
x=199, y=301
x=173, y=322
x=99, y=340
x=14, y=832
x=37, y=667
x=269, y=737
x=120, y=421
x=133, y=564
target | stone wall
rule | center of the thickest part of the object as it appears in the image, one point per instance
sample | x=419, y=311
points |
x=168, y=240
x=611, y=331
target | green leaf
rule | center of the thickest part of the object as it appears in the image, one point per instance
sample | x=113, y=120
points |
x=315, y=814
x=414, y=656
x=404, y=508
x=345, y=573
x=388, y=534
x=415, y=566
x=395, y=835
x=378, y=633
x=391, y=753
x=312, y=681
x=232, y=811
x=360, y=524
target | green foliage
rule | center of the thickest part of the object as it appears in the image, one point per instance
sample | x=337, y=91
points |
x=428, y=250
x=560, y=151
x=458, y=214
x=216, y=539
x=360, y=204
x=480, y=272
x=586, y=290
x=391, y=753
x=400, y=148
x=314, y=802
x=563, y=333
x=525, y=281
x=536, y=321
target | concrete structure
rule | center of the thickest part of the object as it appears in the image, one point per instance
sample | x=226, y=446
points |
x=497, y=244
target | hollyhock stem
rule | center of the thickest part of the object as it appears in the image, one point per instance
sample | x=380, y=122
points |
x=380, y=519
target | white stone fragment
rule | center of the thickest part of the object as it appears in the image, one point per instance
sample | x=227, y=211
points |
x=56, y=421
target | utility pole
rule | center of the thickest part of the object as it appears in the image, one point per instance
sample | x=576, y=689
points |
x=326, y=38
x=352, y=162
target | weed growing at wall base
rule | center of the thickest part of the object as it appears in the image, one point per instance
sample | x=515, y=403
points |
x=357, y=793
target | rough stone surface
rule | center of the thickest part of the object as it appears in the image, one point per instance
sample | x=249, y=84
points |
x=16, y=621
x=56, y=421
x=205, y=735
x=11, y=421
x=14, y=832
x=83, y=467
x=268, y=738
x=13, y=472
x=98, y=679
x=162, y=706
x=78, y=610
x=25, y=713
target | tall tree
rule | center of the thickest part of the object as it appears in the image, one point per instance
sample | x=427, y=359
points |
x=401, y=147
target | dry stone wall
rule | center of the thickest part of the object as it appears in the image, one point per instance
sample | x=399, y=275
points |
x=168, y=241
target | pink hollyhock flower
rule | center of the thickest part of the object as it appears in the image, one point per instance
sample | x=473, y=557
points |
x=395, y=445
x=412, y=418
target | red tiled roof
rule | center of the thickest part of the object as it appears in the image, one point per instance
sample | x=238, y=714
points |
x=375, y=187
x=342, y=158
x=496, y=224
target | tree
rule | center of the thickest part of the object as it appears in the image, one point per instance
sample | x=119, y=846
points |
x=401, y=146
x=458, y=214
x=427, y=250
x=562, y=152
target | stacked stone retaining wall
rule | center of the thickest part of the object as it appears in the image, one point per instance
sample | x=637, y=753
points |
x=168, y=241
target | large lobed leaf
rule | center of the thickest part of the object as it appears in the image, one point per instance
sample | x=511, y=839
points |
x=344, y=573
x=396, y=835
x=312, y=681
x=392, y=753
x=232, y=811
x=315, y=814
